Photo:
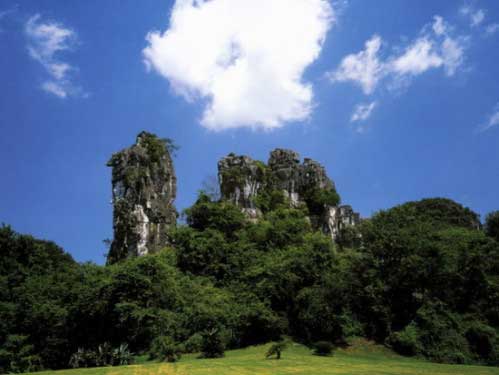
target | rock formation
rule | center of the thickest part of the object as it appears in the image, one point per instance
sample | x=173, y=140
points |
x=242, y=179
x=337, y=218
x=144, y=189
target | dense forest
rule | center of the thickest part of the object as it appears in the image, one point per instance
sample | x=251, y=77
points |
x=422, y=278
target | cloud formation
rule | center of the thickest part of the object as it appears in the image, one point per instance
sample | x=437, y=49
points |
x=491, y=29
x=362, y=112
x=492, y=121
x=245, y=60
x=434, y=48
x=45, y=41
x=475, y=16
x=363, y=68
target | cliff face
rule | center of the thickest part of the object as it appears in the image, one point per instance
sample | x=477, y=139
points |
x=303, y=184
x=240, y=179
x=144, y=189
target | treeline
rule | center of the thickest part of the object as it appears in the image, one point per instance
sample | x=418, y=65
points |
x=423, y=278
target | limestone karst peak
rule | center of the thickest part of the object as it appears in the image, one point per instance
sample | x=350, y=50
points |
x=242, y=179
x=144, y=189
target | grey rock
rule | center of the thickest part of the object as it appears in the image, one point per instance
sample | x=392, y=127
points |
x=242, y=178
x=144, y=190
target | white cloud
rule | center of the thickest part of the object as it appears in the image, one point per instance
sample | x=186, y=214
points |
x=452, y=52
x=434, y=48
x=45, y=41
x=491, y=29
x=439, y=27
x=477, y=17
x=492, y=121
x=362, y=112
x=55, y=88
x=364, y=67
x=417, y=58
x=245, y=59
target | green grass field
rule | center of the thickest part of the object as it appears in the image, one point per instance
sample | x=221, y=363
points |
x=360, y=359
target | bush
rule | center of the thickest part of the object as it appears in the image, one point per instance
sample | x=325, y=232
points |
x=323, y=348
x=194, y=343
x=17, y=355
x=122, y=356
x=105, y=355
x=276, y=349
x=405, y=342
x=213, y=345
x=492, y=225
x=164, y=349
x=78, y=359
x=483, y=342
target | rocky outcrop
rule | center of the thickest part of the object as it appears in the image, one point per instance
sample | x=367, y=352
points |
x=240, y=179
x=337, y=218
x=285, y=171
x=144, y=189
x=303, y=184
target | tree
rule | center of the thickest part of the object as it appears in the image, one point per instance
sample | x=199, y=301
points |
x=164, y=349
x=276, y=349
x=323, y=348
x=213, y=345
x=492, y=225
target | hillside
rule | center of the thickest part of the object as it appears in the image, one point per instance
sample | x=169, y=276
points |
x=363, y=358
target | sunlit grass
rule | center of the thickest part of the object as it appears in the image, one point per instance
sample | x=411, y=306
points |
x=360, y=359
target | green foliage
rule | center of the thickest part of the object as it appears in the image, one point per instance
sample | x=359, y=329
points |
x=222, y=216
x=483, y=341
x=492, y=225
x=323, y=348
x=419, y=277
x=213, y=345
x=17, y=355
x=270, y=199
x=276, y=349
x=103, y=355
x=349, y=237
x=193, y=344
x=316, y=199
x=406, y=342
x=157, y=147
x=165, y=349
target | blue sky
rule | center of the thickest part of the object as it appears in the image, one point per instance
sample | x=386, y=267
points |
x=398, y=99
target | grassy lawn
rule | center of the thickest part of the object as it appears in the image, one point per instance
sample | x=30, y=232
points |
x=360, y=359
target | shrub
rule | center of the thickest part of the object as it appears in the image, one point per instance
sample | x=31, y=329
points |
x=492, y=225
x=122, y=356
x=483, y=342
x=405, y=342
x=194, y=343
x=276, y=349
x=17, y=355
x=213, y=345
x=164, y=349
x=323, y=348
x=104, y=355
x=78, y=359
